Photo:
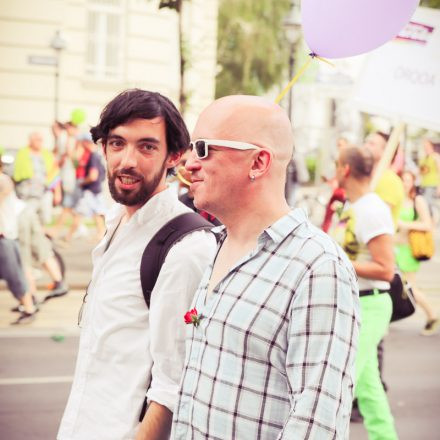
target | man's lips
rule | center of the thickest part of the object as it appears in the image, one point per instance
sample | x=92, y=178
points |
x=195, y=182
x=127, y=181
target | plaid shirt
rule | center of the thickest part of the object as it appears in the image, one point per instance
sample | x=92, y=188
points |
x=273, y=356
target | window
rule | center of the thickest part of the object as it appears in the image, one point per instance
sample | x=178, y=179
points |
x=105, y=39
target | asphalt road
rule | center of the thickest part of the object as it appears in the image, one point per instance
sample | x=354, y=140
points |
x=35, y=377
x=36, y=370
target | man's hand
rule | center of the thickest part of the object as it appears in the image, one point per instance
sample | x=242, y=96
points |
x=156, y=424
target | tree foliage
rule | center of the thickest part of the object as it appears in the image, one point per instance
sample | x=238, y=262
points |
x=252, y=50
x=431, y=3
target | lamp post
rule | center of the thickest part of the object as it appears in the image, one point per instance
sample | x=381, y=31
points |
x=57, y=43
x=292, y=27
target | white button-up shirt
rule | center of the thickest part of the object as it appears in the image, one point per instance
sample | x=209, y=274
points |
x=123, y=344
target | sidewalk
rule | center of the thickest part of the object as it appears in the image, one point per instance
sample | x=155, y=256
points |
x=59, y=314
x=62, y=313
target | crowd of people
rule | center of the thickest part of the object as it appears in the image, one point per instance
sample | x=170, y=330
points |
x=265, y=326
x=70, y=176
x=410, y=191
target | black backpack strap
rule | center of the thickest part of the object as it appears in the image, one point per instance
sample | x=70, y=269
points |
x=157, y=249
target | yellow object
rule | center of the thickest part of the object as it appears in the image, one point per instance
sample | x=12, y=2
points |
x=181, y=178
x=430, y=174
x=299, y=74
x=390, y=189
x=23, y=169
x=421, y=244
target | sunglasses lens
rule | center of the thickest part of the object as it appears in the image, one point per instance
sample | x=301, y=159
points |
x=201, y=150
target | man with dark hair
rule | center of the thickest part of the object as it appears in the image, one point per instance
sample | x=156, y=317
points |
x=126, y=347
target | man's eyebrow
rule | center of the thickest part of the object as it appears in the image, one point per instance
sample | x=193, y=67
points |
x=146, y=139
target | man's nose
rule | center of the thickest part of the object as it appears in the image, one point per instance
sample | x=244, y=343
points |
x=192, y=163
x=129, y=157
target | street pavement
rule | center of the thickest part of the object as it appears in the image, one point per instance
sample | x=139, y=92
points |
x=37, y=360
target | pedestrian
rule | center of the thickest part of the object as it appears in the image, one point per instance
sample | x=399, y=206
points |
x=389, y=186
x=37, y=248
x=65, y=145
x=11, y=269
x=36, y=175
x=430, y=172
x=365, y=231
x=274, y=324
x=337, y=198
x=90, y=203
x=414, y=215
x=125, y=347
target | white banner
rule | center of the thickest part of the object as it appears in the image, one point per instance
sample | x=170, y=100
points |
x=401, y=80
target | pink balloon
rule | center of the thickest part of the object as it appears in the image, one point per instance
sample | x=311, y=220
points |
x=343, y=28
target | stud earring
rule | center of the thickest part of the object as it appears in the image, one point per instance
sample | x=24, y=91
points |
x=252, y=177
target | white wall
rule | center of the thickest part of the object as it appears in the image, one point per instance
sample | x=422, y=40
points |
x=150, y=60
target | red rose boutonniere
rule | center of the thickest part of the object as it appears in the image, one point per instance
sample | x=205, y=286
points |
x=192, y=317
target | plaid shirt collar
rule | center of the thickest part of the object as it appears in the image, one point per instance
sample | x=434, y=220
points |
x=277, y=232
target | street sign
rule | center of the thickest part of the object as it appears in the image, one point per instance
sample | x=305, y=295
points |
x=42, y=60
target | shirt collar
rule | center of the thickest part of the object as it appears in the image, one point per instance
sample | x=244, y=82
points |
x=278, y=231
x=285, y=225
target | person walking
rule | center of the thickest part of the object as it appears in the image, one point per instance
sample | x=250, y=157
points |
x=273, y=328
x=365, y=230
x=414, y=215
x=90, y=201
x=36, y=175
x=430, y=172
x=389, y=186
x=127, y=348
x=11, y=269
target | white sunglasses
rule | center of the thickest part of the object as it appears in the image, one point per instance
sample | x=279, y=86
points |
x=201, y=146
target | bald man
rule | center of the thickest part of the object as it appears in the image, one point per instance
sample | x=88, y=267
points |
x=271, y=347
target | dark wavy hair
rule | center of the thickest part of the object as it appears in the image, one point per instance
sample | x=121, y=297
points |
x=142, y=104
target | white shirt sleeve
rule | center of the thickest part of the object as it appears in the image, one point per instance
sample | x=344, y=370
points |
x=170, y=300
x=374, y=221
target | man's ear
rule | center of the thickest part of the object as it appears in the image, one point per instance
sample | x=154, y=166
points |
x=104, y=149
x=261, y=163
x=173, y=159
x=346, y=170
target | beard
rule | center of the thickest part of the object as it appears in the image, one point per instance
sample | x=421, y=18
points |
x=139, y=196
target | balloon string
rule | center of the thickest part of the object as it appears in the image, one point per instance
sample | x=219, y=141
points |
x=293, y=81
x=299, y=74
x=324, y=60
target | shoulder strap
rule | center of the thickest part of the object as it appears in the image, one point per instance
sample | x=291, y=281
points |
x=157, y=249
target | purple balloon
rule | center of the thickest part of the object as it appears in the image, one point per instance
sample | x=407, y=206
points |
x=343, y=28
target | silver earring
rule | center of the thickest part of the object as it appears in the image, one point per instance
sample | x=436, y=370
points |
x=252, y=177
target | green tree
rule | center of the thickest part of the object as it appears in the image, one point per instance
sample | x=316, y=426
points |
x=252, y=51
x=431, y=3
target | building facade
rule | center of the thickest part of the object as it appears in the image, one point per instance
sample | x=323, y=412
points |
x=61, y=55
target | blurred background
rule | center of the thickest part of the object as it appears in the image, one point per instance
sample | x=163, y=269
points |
x=63, y=60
